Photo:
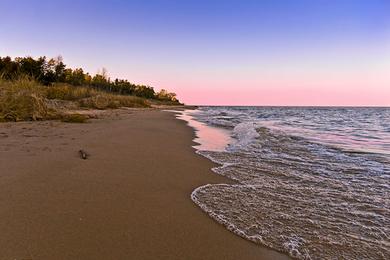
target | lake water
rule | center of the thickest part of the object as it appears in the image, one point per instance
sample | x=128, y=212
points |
x=311, y=182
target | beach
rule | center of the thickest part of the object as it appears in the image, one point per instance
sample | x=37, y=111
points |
x=130, y=199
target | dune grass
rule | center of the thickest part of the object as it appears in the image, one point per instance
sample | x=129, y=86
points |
x=112, y=101
x=91, y=98
x=22, y=100
x=25, y=99
x=74, y=118
x=63, y=91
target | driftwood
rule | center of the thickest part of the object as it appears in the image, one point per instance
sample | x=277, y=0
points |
x=83, y=154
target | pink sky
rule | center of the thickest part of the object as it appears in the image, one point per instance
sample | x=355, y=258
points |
x=300, y=52
x=305, y=83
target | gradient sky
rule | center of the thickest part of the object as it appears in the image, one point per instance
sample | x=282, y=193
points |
x=276, y=52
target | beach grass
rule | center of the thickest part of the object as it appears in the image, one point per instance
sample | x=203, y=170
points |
x=63, y=91
x=22, y=100
x=107, y=101
x=25, y=99
x=74, y=118
x=88, y=97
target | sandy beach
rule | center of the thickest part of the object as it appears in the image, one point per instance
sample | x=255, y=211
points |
x=129, y=200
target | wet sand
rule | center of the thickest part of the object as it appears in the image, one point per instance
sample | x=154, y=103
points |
x=129, y=200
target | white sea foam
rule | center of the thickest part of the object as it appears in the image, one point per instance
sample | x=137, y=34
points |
x=245, y=133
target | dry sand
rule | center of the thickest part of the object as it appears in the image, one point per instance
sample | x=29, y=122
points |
x=129, y=200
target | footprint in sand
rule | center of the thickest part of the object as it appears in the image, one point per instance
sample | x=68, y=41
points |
x=3, y=135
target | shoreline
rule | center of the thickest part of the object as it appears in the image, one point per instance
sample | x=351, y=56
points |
x=129, y=199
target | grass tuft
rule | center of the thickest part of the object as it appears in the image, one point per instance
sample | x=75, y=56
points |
x=22, y=100
x=74, y=118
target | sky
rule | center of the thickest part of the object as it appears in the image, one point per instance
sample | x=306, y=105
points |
x=264, y=52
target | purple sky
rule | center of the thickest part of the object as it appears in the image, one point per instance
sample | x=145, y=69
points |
x=279, y=52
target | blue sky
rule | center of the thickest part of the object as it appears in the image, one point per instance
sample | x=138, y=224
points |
x=217, y=52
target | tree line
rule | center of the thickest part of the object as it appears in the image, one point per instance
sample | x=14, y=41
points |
x=50, y=71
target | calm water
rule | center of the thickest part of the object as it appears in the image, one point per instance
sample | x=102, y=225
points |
x=311, y=182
